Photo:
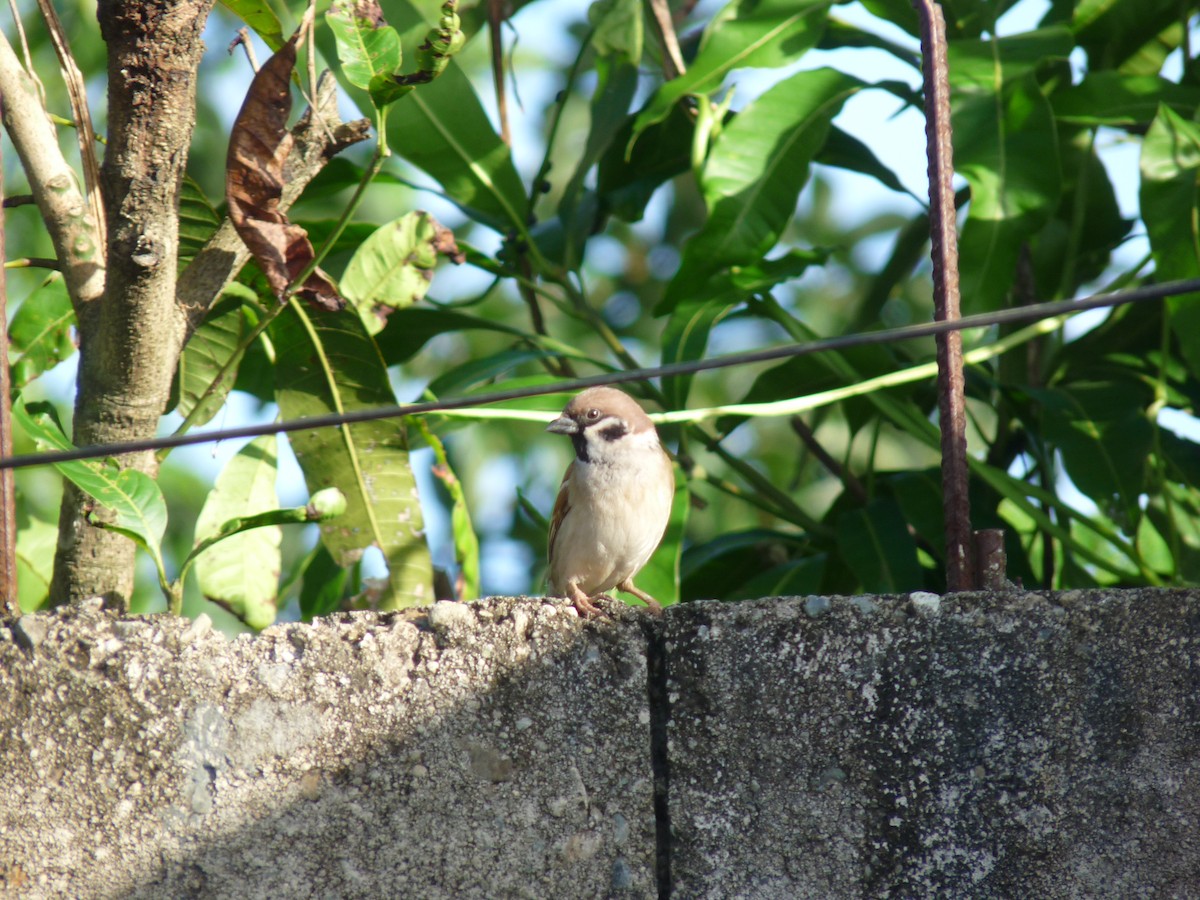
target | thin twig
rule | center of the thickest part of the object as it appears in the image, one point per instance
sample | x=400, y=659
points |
x=85, y=133
x=496, y=19
x=673, y=64
x=8, y=495
x=960, y=575
x=33, y=262
x=243, y=39
x=843, y=474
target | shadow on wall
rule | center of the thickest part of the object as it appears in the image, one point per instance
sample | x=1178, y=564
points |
x=497, y=750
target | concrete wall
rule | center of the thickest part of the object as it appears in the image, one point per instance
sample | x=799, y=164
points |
x=1024, y=745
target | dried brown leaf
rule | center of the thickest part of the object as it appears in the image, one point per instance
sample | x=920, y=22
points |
x=258, y=149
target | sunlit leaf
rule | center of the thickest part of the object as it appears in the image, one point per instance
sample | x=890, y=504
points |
x=40, y=333
x=392, y=268
x=1006, y=147
x=1170, y=204
x=133, y=498
x=754, y=174
x=261, y=19
x=242, y=573
x=745, y=34
x=1110, y=98
x=36, y=540
x=326, y=362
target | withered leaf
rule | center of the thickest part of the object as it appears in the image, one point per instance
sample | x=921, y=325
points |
x=258, y=148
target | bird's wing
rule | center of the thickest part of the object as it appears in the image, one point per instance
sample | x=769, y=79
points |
x=562, y=506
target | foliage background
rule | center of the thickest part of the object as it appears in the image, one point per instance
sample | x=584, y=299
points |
x=770, y=196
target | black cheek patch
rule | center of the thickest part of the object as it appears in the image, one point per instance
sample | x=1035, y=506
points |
x=614, y=431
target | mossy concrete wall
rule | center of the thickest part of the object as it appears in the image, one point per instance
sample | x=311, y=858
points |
x=1013, y=745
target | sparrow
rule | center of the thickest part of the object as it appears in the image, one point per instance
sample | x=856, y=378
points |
x=614, y=501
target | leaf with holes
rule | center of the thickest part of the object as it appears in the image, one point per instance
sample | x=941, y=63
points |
x=392, y=268
x=328, y=363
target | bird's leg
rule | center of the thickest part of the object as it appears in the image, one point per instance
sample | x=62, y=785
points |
x=628, y=587
x=582, y=601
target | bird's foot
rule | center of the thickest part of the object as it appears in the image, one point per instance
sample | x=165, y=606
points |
x=628, y=587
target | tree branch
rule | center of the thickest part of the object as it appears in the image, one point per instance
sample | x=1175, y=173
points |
x=73, y=228
x=84, y=131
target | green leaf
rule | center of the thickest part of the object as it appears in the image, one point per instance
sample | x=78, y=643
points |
x=981, y=67
x=369, y=49
x=138, y=509
x=1114, y=32
x=40, y=334
x=664, y=150
x=618, y=29
x=718, y=568
x=208, y=366
x=1105, y=438
x=326, y=363
x=261, y=19
x=482, y=371
x=242, y=575
x=408, y=330
x=1110, y=98
x=686, y=338
x=198, y=219
x=796, y=578
x=578, y=209
x=323, y=586
x=745, y=34
x=466, y=544
x=36, y=543
x=875, y=545
x=392, y=268
x=845, y=151
x=754, y=175
x=443, y=129
x=1006, y=147
x=1170, y=205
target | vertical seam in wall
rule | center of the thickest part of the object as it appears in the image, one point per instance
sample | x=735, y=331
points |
x=660, y=715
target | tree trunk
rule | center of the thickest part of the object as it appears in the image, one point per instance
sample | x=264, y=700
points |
x=130, y=339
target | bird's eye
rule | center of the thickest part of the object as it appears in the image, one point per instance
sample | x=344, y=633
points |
x=592, y=415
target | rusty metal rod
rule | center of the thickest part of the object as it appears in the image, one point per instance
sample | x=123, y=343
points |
x=952, y=412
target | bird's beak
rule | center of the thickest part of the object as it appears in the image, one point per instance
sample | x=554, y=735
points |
x=563, y=425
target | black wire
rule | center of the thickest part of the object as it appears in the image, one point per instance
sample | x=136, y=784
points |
x=908, y=332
